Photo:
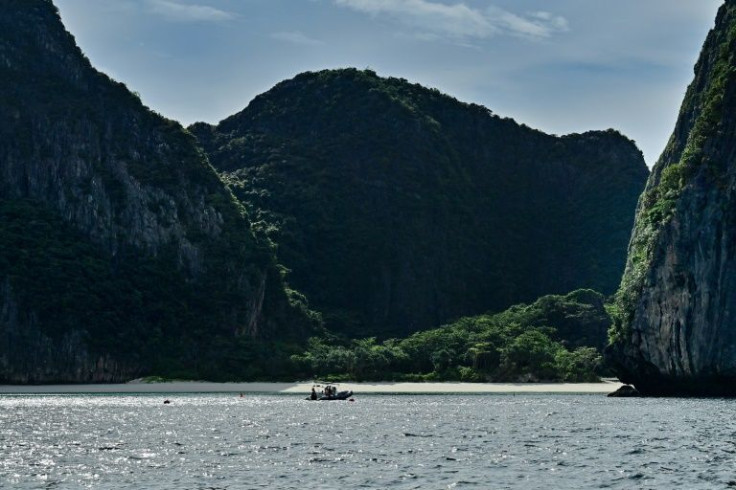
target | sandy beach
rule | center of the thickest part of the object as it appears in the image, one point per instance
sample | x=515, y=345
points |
x=304, y=387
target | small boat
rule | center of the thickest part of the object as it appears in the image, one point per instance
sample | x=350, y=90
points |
x=329, y=392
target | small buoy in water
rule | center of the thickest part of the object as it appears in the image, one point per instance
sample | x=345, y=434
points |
x=352, y=400
x=166, y=402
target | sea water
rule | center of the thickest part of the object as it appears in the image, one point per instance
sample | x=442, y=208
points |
x=223, y=441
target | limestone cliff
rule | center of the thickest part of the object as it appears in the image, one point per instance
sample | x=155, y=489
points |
x=399, y=208
x=675, y=328
x=120, y=248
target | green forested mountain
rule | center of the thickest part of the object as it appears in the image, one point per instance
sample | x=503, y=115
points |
x=397, y=208
x=121, y=251
x=675, y=321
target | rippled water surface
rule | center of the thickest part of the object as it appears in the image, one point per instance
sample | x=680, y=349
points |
x=214, y=441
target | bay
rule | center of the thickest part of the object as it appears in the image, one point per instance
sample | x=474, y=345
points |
x=498, y=441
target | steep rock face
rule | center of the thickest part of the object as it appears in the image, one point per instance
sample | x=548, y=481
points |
x=675, y=330
x=121, y=248
x=398, y=208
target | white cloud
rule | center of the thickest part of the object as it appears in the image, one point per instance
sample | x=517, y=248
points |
x=459, y=21
x=535, y=24
x=177, y=12
x=296, y=37
x=554, y=21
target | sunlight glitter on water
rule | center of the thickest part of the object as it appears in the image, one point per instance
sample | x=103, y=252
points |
x=436, y=441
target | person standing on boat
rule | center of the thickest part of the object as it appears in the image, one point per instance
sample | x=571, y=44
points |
x=313, y=396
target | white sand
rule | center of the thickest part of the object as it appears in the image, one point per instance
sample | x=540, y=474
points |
x=304, y=387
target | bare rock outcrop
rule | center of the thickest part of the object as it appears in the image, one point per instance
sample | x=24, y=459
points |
x=675, y=328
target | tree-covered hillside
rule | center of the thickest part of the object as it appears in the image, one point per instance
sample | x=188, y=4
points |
x=556, y=338
x=398, y=208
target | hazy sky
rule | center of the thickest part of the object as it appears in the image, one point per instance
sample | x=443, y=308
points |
x=561, y=66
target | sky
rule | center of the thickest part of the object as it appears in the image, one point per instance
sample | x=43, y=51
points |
x=561, y=66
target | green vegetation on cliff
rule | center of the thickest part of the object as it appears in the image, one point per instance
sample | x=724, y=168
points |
x=675, y=311
x=140, y=308
x=686, y=157
x=556, y=338
x=121, y=251
x=397, y=208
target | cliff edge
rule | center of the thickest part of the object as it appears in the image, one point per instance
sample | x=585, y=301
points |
x=121, y=251
x=675, y=324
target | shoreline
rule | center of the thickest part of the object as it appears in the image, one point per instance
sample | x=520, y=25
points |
x=304, y=387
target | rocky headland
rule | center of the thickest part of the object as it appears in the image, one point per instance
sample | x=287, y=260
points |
x=675, y=324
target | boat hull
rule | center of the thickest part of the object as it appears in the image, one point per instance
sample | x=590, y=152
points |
x=343, y=395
